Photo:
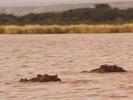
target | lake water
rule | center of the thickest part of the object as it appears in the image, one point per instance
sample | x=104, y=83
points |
x=66, y=55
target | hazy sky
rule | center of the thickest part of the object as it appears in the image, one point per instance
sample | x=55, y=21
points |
x=48, y=2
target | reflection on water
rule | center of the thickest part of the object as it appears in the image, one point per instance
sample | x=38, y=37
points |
x=67, y=55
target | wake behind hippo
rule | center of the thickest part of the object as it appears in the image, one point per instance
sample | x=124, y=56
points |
x=108, y=69
x=42, y=78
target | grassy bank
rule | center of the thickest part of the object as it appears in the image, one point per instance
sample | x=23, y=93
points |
x=48, y=29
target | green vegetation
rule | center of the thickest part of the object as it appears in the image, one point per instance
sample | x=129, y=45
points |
x=103, y=13
x=82, y=28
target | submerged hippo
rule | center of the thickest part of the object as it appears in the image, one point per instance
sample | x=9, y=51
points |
x=42, y=78
x=108, y=69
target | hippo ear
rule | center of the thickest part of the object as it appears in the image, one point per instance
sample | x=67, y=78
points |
x=39, y=75
x=56, y=75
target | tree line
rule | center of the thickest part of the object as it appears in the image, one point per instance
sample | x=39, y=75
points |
x=102, y=13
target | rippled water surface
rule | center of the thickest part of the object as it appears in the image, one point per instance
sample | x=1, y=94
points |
x=67, y=55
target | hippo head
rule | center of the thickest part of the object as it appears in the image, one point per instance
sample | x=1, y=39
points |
x=110, y=68
x=23, y=80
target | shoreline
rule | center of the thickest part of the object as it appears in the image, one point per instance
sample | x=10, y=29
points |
x=66, y=29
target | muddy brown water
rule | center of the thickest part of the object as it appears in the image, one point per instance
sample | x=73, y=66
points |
x=67, y=55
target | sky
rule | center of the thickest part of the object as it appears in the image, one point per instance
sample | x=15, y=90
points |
x=49, y=2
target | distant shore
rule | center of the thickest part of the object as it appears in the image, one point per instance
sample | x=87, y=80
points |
x=64, y=29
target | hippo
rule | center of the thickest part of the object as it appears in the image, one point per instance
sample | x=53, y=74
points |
x=108, y=69
x=42, y=78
